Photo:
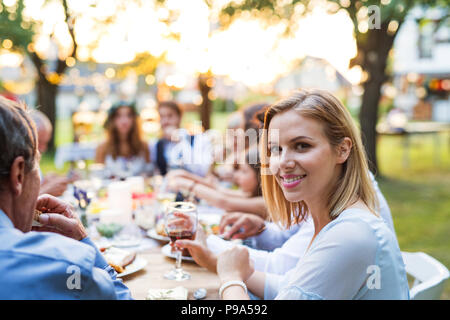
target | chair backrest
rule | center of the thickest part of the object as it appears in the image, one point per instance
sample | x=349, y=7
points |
x=430, y=275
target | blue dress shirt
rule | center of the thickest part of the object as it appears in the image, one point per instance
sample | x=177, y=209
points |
x=44, y=265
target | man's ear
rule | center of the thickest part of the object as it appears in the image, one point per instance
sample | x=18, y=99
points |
x=17, y=175
x=343, y=150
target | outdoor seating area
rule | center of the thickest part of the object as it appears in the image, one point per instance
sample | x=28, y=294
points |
x=224, y=150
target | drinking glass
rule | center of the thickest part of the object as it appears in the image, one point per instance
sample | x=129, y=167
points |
x=180, y=223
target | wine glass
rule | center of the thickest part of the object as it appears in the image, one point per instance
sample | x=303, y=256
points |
x=180, y=223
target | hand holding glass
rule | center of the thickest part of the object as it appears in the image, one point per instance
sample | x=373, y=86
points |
x=180, y=223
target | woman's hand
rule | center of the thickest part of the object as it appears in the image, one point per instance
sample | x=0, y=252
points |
x=177, y=173
x=243, y=225
x=178, y=183
x=59, y=217
x=199, y=250
x=234, y=264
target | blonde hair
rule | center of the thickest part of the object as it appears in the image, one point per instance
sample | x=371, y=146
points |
x=354, y=182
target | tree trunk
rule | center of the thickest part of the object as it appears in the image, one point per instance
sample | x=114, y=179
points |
x=368, y=117
x=46, y=92
x=206, y=105
x=46, y=101
x=376, y=53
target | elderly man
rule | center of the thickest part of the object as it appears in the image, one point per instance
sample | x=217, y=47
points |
x=51, y=184
x=60, y=264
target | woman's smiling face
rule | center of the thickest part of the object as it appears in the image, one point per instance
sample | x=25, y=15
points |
x=301, y=158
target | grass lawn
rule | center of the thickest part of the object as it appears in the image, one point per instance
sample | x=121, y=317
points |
x=418, y=195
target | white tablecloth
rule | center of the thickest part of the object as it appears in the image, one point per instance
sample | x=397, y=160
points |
x=74, y=152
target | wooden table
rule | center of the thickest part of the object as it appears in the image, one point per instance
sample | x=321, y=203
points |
x=158, y=264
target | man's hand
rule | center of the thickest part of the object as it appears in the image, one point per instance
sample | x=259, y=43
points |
x=243, y=225
x=59, y=217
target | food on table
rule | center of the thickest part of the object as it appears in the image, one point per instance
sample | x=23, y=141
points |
x=102, y=193
x=97, y=206
x=108, y=230
x=210, y=228
x=37, y=213
x=166, y=197
x=145, y=221
x=36, y=222
x=118, y=258
x=177, y=293
x=160, y=229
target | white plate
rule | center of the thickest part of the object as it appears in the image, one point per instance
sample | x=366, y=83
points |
x=138, y=264
x=152, y=234
x=167, y=251
x=126, y=242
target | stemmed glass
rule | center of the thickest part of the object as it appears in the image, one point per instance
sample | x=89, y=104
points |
x=180, y=223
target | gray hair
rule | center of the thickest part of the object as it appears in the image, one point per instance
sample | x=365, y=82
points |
x=17, y=136
x=41, y=121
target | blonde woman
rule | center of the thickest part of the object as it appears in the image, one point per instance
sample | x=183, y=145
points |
x=316, y=167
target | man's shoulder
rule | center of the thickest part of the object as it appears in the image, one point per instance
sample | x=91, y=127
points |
x=50, y=246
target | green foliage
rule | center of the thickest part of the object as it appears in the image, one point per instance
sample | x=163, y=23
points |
x=357, y=11
x=222, y=105
x=143, y=64
x=15, y=27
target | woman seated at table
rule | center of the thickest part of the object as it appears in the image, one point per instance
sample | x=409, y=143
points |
x=246, y=176
x=275, y=250
x=318, y=170
x=124, y=152
x=176, y=148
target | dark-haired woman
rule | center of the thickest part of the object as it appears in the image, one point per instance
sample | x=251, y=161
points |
x=124, y=152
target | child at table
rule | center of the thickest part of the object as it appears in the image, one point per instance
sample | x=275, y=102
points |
x=248, y=198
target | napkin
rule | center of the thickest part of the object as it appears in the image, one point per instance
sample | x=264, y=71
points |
x=177, y=293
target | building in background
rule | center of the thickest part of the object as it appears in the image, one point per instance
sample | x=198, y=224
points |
x=313, y=72
x=422, y=66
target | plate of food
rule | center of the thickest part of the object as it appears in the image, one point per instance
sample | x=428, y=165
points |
x=210, y=223
x=138, y=264
x=210, y=227
x=123, y=261
x=158, y=233
x=167, y=251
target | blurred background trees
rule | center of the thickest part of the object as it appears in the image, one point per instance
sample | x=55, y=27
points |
x=375, y=27
x=22, y=33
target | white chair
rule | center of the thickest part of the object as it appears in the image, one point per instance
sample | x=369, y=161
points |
x=429, y=275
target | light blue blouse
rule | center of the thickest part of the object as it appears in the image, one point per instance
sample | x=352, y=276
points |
x=355, y=256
